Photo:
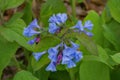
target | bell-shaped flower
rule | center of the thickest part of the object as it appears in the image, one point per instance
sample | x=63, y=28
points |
x=79, y=26
x=74, y=45
x=68, y=54
x=53, y=28
x=88, y=25
x=86, y=28
x=88, y=33
x=71, y=64
x=59, y=18
x=30, y=30
x=38, y=55
x=51, y=67
x=77, y=56
x=53, y=52
x=31, y=42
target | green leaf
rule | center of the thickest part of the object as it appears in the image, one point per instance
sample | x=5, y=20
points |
x=49, y=8
x=36, y=65
x=42, y=74
x=96, y=58
x=116, y=57
x=60, y=75
x=106, y=16
x=7, y=50
x=112, y=34
x=47, y=42
x=115, y=74
x=27, y=17
x=102, y=53
x=114, y=9
x=24, y=75
x=97, y=28
x=13, y=32
x=7, y=4
x=88, y=43
x=94, y=70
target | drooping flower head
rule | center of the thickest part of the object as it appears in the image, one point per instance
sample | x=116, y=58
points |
x=53, y=52
x=59, y=18
x=55, y=22
x=30, y=30
x=53, y=28
x=51, y=67
x=38, y=55
x=86, y=28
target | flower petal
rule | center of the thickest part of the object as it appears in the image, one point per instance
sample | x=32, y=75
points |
x=38, y=55
x=51, y=67
x=88, y=25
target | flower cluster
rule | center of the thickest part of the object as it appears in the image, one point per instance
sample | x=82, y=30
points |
x=62, y=54
x=68, y=56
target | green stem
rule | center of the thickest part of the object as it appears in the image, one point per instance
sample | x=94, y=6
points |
x=73, y=4
x=1, y=17
x=72, y=76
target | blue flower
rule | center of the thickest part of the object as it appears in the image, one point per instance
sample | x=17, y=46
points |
x=53, y=28
x=79, y=26
x=51, y=67
x=53, y=52
x=75, y=46
x=88, y=33
x=88, y=25
x=68, y=53
x=31, y=42
x=34, y=24
x=58, y=18
x=77, y=56
x=71, y=55
x=29, y=31
x=61, y=18
x=86, y=28
x=38, y=55
x=71, y=64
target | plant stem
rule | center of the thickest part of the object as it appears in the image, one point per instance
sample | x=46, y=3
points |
x=72, y=76
x=1, y=17
x=73, y=2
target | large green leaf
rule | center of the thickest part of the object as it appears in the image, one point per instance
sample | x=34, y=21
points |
x=7, y=4
x=7, y=50
x=24, y=75
x=116, y=57
x=88, y=43
x=114, y=9
x=13, y=32
x=112, y=33
x=49, y=8
x=94, y=70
